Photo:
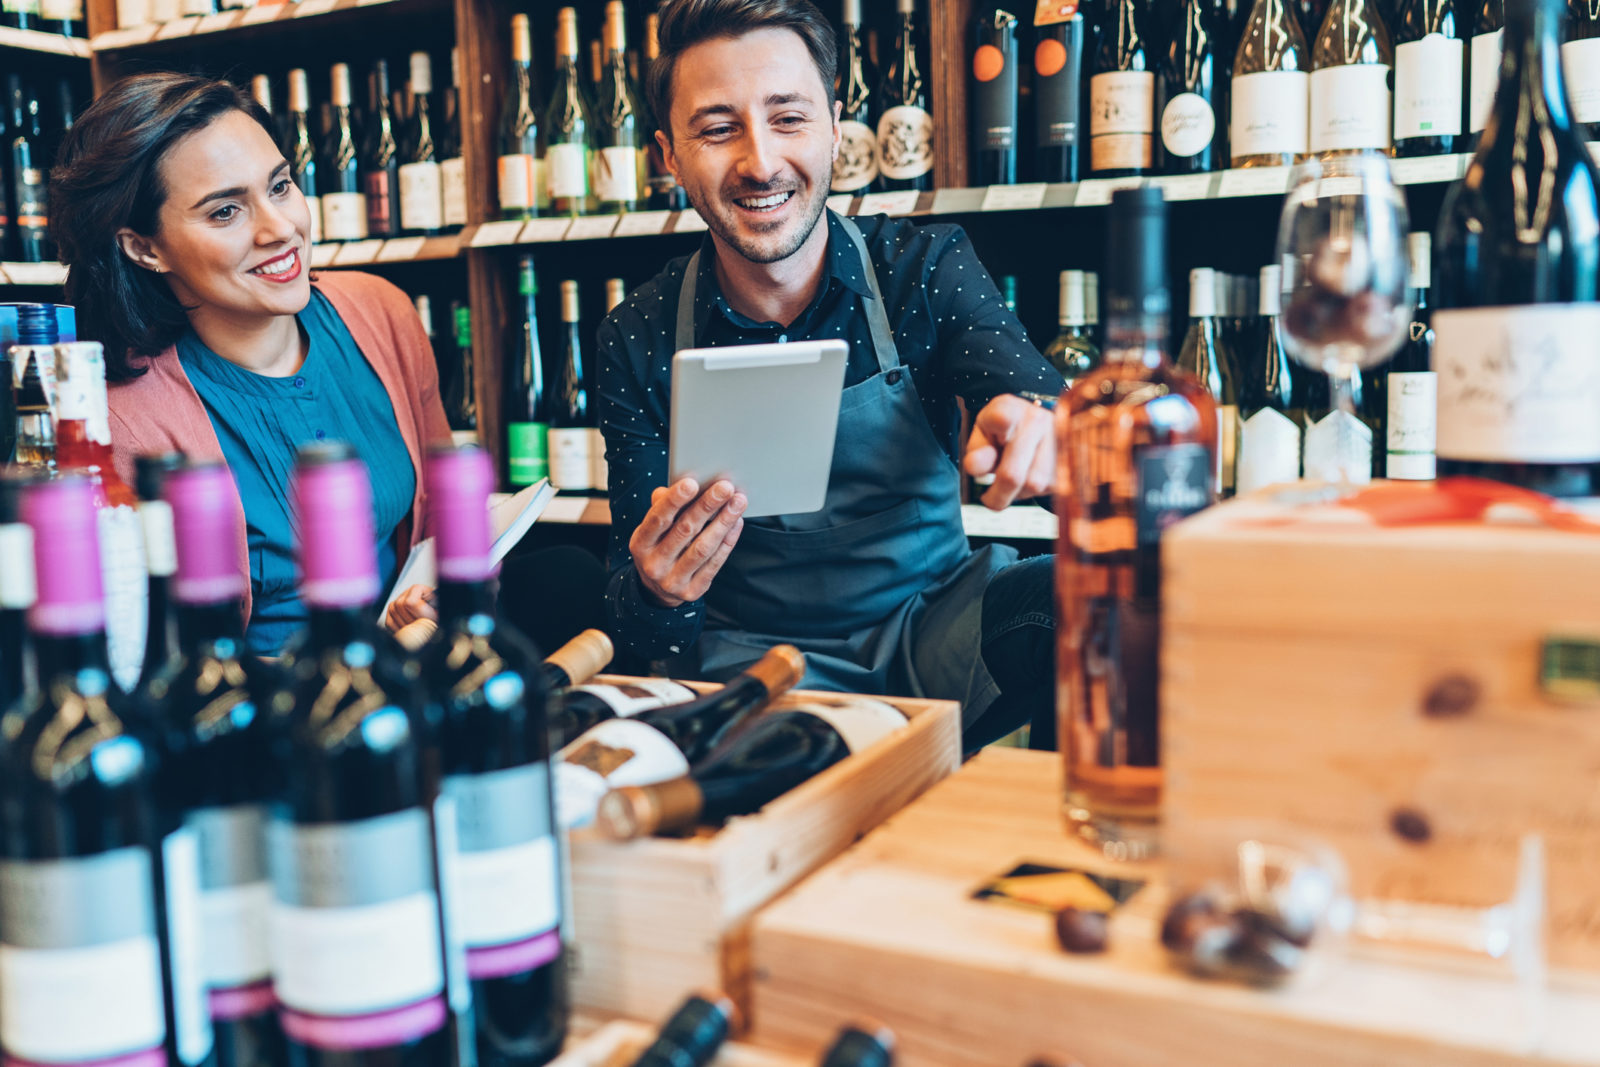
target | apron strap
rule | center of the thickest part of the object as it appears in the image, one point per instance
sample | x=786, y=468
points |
x=884, y=348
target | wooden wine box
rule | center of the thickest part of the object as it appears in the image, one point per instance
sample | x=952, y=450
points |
x=893, y=931
x=1418, y=696
x=659, y=918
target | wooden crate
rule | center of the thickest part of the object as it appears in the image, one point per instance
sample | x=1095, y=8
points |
x=890, y=931
x=658, y=918
x=1341, y=676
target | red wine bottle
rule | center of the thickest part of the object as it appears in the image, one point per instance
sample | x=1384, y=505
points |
x=994, y=98
x=380, y=162
x=358, y=953
x=1058, y=67
x=155, y=522
x=494, y=753
x=17, y=592
x=1122, y=91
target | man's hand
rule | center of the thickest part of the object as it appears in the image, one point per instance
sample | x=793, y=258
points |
x=685, y=538
x=413, y=604
x=1014, y=440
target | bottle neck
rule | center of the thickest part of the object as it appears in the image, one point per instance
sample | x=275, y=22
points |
x=59, y=654
x=1140, y=339
x=1532, y=45
x=201, y=624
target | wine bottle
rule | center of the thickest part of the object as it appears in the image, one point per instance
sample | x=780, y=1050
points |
x=692, y=1036
x=527, y=413
x=1352, y=63
x=161, y=561
x=1205, y=356
x=1061, y=41
x=1309, y=14
x=358, y=956
x=659, y=744
x=452, y=165
x=1073, y=352
x=1488, y=24
x=261, y=93
x=213, y=702
x=577, y=709
x=619, y=162
x=24, y=169
x=494, y=750
x=380, y=158
x=518, y=165
x=442, y=364
x=1193, y=87
x=33, y=372
x=1516, y=272
x=466, y=412
x=1138, y=448
x=302, y=151
x=857, y=1046
x=905, y=126
x=99, y=881
x=1408, y=390
x=1338, y=444
x=570, y=440
x=344, y=206
x=756, y=764
x=994, y=97
x=1579, y=58
x=421, y=182
x=1271, y=409
x=1091, y=305
x=568, y=126
x=18, y=590
x=1122, y=92
x=1429, y=76
x=857, y=166
x=665, y=192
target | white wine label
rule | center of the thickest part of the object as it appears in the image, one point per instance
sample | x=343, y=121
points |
x=641, y=694
x=1580, y=61
x=1227, y=446
x=1187, y=125
x=344, y=216
x=571, y=458
x=861, y=721
x=1413, y=419
x=235, y=899
x=1339, y=449
x=616, y=174
x=857, y=165
x=421, y=196
x=1486, y=51
x=160, y=546
x=1427, y=87
x=447, y=849
x=453, y=190
x=1121, y=119
x=18, y=585
x=1350, y=107
x=566, y=169
x=1518, y=384
x=122, y=569
x=599, y=470
x=905, y=143
x=518, y=180
x=80, y=968
x=1269, y=450
x=614, y=753
x=180, y=859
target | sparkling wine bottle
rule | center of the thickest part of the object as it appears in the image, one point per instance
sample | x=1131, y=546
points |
x=1122, y=96
x=905, y=126
x=1271, y=404
x=344, y=205
x=619, y=161
x=1205, y=356
x=1352, y=66
x=1271, y=89
x=380, y=163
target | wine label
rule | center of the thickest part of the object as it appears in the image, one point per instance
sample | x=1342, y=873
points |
x=1339, y=448
x=1518, y=384
x=1269, y=450
x=1121, y=119
x=1187, y=125
x=344, y=216
x=1487, y=49
x=1175, y=481
x=80, y=968
x=65, y=10
x=566, y=169
x=610, y=754
x=616, y=174
x=1413, y=421
x=1580, y=61
x=1427, y=87
x=519, y=177
x=599, y=470
x=453, y=190
x=857, y=165
x=235, y=900
x=905, y=143
x=122, y=569
x=314, y=209
x=1350, y=107
x=527, y=461
x=132, y=13
x=20, y=7
x=860, y=722
x=421, y=196
x=356, y=943
x=191, y=1009
x=19, y=587
x=458, y=988
x=641, y=694
x=1227, y=446
x=571, y=458
x=380, y=203
x=160, y=542
x=994, y=99
x=1057, y=76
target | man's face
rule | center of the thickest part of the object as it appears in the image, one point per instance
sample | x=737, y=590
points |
x=753, y=140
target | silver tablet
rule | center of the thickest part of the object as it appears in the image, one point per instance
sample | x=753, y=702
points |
x=761, y=416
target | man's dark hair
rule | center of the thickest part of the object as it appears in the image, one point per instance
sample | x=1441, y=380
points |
x=107, y=176
x=686, y=23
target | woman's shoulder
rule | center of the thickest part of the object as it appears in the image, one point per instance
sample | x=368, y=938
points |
x=362, y=294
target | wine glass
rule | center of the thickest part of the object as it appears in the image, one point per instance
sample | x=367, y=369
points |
x=1346, y=300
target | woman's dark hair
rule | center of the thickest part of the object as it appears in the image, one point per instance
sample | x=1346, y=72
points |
x=686, y=23
x=107, y=176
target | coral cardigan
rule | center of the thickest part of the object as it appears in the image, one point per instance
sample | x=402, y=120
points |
x=161, y=412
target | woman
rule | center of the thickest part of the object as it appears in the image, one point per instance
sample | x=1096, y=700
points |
x=188, y=250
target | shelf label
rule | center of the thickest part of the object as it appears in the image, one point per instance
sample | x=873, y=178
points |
x=357, y=252
x=1097, y=191
x=840, y=203
x=1025, y=197
x=4, y=279
x=261, y=13
x=1186, y=186
x=401, y=248
x=36, y=273
x=591, y=227
x=222, y=20
x=497, y=233
x=1254, y=181
x=307, y=8
x=690, y=222
x=322, y=255
x=1426, y=169
x=642, y=223
x=903, y=202
x=544, y=230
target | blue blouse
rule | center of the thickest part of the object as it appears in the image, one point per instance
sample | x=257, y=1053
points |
x=261, y=422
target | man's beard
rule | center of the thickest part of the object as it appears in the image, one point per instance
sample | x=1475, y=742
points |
x=756, y=253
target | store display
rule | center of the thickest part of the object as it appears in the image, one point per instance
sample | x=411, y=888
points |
x=1213, y=364
x=518, y=164
x=619, y=156
x=1061, y=53
x=161, y=561
x=1430, y=70
x=1352, y=67
x=344, y=204
x=906, y=132
x=569, y=126
x=993, y=99
x=380, y=158
x=572, y=420
x=1272, y=400
x=1192, y=94
x=1122, y=95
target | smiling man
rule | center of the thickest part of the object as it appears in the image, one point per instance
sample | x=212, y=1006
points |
x=879, y=588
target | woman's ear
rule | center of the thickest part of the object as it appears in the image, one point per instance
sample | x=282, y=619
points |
x=140, y=250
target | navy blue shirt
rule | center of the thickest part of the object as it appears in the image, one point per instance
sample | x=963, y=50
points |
x=261, y=422
x=953, y=330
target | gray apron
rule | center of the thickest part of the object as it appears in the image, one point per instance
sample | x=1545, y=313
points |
x=886, y=557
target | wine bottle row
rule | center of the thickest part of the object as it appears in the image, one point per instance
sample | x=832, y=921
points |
x=25, y=166
x=64, y=17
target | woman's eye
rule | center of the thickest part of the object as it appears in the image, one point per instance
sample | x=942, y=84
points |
x=280, y=187
x=225, y=213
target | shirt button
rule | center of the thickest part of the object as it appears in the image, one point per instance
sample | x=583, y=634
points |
x=321, y=434
x=299, y=383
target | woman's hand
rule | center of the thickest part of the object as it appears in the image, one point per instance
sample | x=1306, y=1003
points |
x=413, y=604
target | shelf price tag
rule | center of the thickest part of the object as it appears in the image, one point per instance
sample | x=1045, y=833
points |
x=497, y=233
x=903, y=202
x=545, y=230
x=642, y=223
x=1254, y=181
x=401, y=248
x=690, y=222
x=36, y=273
x=839, y=203
x=357, y=252
x=1097, y=191
x=261, y=13
x=4, y=280
x=1024, y=197
x=592, y=227
x=1186, y=186
x=307, y=8
x=322, y=255
x=1428, y=169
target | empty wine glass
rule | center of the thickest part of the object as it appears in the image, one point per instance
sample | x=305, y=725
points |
x=1346, y=301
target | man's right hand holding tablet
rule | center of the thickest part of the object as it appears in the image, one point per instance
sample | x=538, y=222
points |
x=685, y=539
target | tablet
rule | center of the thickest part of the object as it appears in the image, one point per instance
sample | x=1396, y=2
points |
x=761, y=416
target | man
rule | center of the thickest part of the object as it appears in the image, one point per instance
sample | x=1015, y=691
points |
x=879, y=588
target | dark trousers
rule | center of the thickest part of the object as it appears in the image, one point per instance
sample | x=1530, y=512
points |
x=553, y=594
x=1019, y=650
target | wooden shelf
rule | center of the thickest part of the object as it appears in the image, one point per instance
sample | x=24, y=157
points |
x=32, y=274
x=235, y=23
x=50, y=43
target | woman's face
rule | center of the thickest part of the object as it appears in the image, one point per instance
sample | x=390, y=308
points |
x=233, y=233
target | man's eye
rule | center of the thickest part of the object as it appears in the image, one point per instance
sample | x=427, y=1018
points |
x=716, y=131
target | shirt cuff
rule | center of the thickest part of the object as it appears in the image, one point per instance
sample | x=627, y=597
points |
x=647, y=628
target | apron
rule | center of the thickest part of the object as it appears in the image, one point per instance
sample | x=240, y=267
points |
x=885, y=559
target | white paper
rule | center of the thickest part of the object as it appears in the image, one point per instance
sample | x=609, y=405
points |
x=497, y=233
x=544, y=230
x=401, y=248
x=903, y=202
x=356, y=252
x=322, y=255
x=591, y=227
x=1024, y=197
x=642, y=224
x=690, y=222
